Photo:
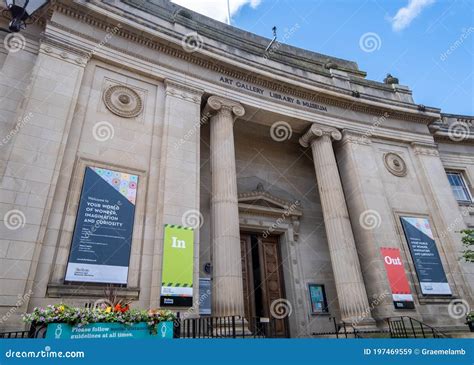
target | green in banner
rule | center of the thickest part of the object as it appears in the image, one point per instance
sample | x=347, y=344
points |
x=177, y=272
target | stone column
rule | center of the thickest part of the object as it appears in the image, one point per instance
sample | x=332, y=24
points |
x=350, y=287
x=227, y=290
x=371, y=214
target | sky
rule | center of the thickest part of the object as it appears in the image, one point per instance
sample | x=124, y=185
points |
x=427, y=44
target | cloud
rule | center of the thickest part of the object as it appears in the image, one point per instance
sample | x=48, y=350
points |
x=217, y=9
x=407, y=14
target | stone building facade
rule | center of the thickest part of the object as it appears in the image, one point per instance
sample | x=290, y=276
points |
x=293, y=168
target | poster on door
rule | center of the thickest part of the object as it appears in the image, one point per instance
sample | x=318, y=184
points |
x=178, y=267
x=102, y=238
x=424, y=252
x=397, y=278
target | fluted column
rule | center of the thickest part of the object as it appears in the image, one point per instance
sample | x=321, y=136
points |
x=351, y=292
x=227, y=290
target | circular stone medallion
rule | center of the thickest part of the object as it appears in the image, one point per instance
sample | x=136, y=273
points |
x=123, y=101
x=395, y=164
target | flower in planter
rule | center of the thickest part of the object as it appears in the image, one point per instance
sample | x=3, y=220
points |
x=156, y=316
x=119, y=308
x=82, y=316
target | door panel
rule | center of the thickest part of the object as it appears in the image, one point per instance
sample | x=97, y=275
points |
x=247, y=275
x=270, y=262
x=268, y=277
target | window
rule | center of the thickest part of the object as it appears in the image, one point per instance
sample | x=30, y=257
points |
x=460, y=190
x=317, y=298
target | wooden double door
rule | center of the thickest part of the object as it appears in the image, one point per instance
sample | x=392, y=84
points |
x=262, y=279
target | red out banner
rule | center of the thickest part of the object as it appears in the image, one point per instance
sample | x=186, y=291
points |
x=401, y=294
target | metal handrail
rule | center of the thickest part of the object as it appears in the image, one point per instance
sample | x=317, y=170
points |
x=397, y=326
x=14, y=334
x=354, y=332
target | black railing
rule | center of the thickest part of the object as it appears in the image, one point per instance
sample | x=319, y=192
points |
x=15, y=334
x=223, y=327
x=202, y=327
x=408, y=327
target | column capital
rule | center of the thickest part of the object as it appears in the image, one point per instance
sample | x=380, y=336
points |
x=319, y=130
x=217, y=103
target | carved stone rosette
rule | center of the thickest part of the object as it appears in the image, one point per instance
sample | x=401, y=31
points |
x=395, y=164
x=123, y=101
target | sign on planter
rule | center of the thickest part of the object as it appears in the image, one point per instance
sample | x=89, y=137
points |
x=177, y=272
x=102, y=239
x=425, y=256
x=401, y=293
x=64, y=331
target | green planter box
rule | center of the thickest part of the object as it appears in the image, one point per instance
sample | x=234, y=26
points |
x=63, y=331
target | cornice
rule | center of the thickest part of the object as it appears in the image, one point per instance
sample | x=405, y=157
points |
x=250, y=43
x=356, y=105
x=461, y=131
